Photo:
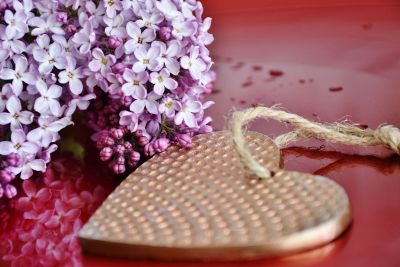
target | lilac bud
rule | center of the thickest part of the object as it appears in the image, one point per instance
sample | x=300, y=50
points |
x=71, y=29
x=114, y=42
x=6, y=175
x=120, y=160
x=142, y=141
x=106, y=154
x=126, y=101
x=165, y=33
x=119, y=68
x=119, y=149
x=149, y=150
x=127, y=145
x=133, y=159
x=62, y=17
x=10, y=191
x=161, y=144
x=184, y=140
x=109, y=141
x=119, y=168
x=3, y=6
x=13, y=160
x=117, y=134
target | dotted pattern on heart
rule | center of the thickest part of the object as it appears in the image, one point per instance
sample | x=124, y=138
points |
x=204, y=198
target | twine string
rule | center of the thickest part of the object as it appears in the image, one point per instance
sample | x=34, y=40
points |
x=341, y=132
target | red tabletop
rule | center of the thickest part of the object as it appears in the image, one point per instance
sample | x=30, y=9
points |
x=325, y=60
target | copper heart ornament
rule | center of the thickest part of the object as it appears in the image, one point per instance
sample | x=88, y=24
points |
x=201, y=204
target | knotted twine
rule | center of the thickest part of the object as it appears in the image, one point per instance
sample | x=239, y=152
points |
x=341, y=132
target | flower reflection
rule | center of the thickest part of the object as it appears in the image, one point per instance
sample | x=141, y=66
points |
x=40, y=228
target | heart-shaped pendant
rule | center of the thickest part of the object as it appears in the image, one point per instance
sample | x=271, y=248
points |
x=202, y=204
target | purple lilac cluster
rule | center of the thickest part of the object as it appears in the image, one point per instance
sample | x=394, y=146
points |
x=145, y=61
x=154, y=69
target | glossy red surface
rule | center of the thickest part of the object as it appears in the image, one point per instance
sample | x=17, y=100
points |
x=321, y=59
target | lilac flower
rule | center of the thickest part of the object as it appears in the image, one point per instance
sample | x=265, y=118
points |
x=18, y=74
x=49, y=59
x=48, y=129
x=137, y=37
x=186, y=111
x=150, y=20
x=169, y=55
x=48, y=25
x=194, y=64
x=84, y=38
x=101, y=62
x=135, y=83
x=13, y=44
x=96, y=14
x=72, y=75
x=48, y=99
x=81, y=102
x=4, y=54
x=169, y=9
x=168, y=107
x=129, y=119
x=5, y=94
x=15, y=115
x=147, y=59
x=161, y=81
x=112, y=6
x=18, y=144
x=29, y=165
x=147, y=101
x=114, y=26
x=16, y=24
x=150, y=45
x=182, y=29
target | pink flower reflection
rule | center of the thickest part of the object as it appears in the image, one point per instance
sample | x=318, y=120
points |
x=40, y=228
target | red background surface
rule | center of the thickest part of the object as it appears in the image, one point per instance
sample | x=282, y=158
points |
x=317, y=45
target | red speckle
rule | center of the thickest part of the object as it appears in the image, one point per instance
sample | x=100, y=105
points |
x=276, y=73
x=228, y=59
x=302, y=81
x=243, y=102
x=247, y=84
x=257, y=68
x=361, y=126
x=315, y=114
x=367, y=26
x=215, y=91
x=238, y=65
x=311, y=80
x=336, y=89
x=232, y=99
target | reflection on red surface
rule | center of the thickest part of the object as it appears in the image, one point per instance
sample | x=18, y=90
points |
x=40, y=226
x=317, y=45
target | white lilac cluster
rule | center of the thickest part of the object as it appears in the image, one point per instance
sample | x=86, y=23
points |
x=146, y=61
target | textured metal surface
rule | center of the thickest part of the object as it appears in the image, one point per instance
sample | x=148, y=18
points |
x=201, y=204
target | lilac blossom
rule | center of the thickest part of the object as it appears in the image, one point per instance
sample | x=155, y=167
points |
x=18, y=75
x=147, y=59
x=47, y=102
x=161, y=80
x=135, y=82
x=73, y=76
x=186, y=113
x=140, y=69
x=18, y=144
x=15, y=115
x=137, y=37
x=194, y=63
x=49, y=59
x=101, y=62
